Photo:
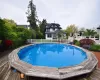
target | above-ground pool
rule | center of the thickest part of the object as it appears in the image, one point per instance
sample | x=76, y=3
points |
x=52, y=60
x=52, y=55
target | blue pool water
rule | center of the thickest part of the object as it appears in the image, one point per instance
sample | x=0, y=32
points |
x=52, y=55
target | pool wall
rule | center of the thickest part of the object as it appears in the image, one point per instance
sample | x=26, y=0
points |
x=55, y=73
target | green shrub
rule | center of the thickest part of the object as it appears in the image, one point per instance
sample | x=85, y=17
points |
x=95, y=47
x=77, y=43
x=18, y=42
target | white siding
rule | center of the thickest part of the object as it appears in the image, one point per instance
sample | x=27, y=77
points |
x=46, y=35
x=51, y=30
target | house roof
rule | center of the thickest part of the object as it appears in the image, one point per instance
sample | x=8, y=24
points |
x=98, y=27
x=53, y=25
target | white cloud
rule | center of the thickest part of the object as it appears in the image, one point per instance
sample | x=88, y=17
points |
x=79, y=12
x=83, y=13
x=11, y=11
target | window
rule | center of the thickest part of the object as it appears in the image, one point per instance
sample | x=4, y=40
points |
x=48, y=30
x=49, y=35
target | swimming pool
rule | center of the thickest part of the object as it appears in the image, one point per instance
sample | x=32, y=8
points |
x=52, y=55
x=52, y=60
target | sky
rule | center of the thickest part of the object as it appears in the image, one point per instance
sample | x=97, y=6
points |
x=82, y=13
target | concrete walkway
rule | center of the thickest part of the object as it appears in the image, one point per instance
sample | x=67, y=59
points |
x=7, y=73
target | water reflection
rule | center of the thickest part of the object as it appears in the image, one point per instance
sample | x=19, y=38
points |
x=51, y=47
x=52, y=55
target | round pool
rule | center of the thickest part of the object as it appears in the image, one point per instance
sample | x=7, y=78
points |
x=52, y=55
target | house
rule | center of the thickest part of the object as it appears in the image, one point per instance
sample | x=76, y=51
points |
x=53, y=31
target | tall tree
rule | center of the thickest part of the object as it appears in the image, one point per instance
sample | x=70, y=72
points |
x=32, y=16
x=43, y=27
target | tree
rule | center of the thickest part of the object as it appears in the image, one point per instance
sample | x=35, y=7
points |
x=6, y=28
x=43, y=27
x=71, y=29
x=93, y=33
x=10, y=32
x=2, y=29
x=10, y=23
x=32, y=17
x=6, y=32
x=33, y=34
x=24, y=33
x=90, y=32
x=10, y=26
x=59, y=34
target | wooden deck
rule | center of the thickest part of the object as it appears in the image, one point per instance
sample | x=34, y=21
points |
x=7, y=73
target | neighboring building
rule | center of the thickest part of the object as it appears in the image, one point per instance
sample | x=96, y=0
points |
x=76, y=36
x=25, y=26
x=53, y=31
x=80, y=35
